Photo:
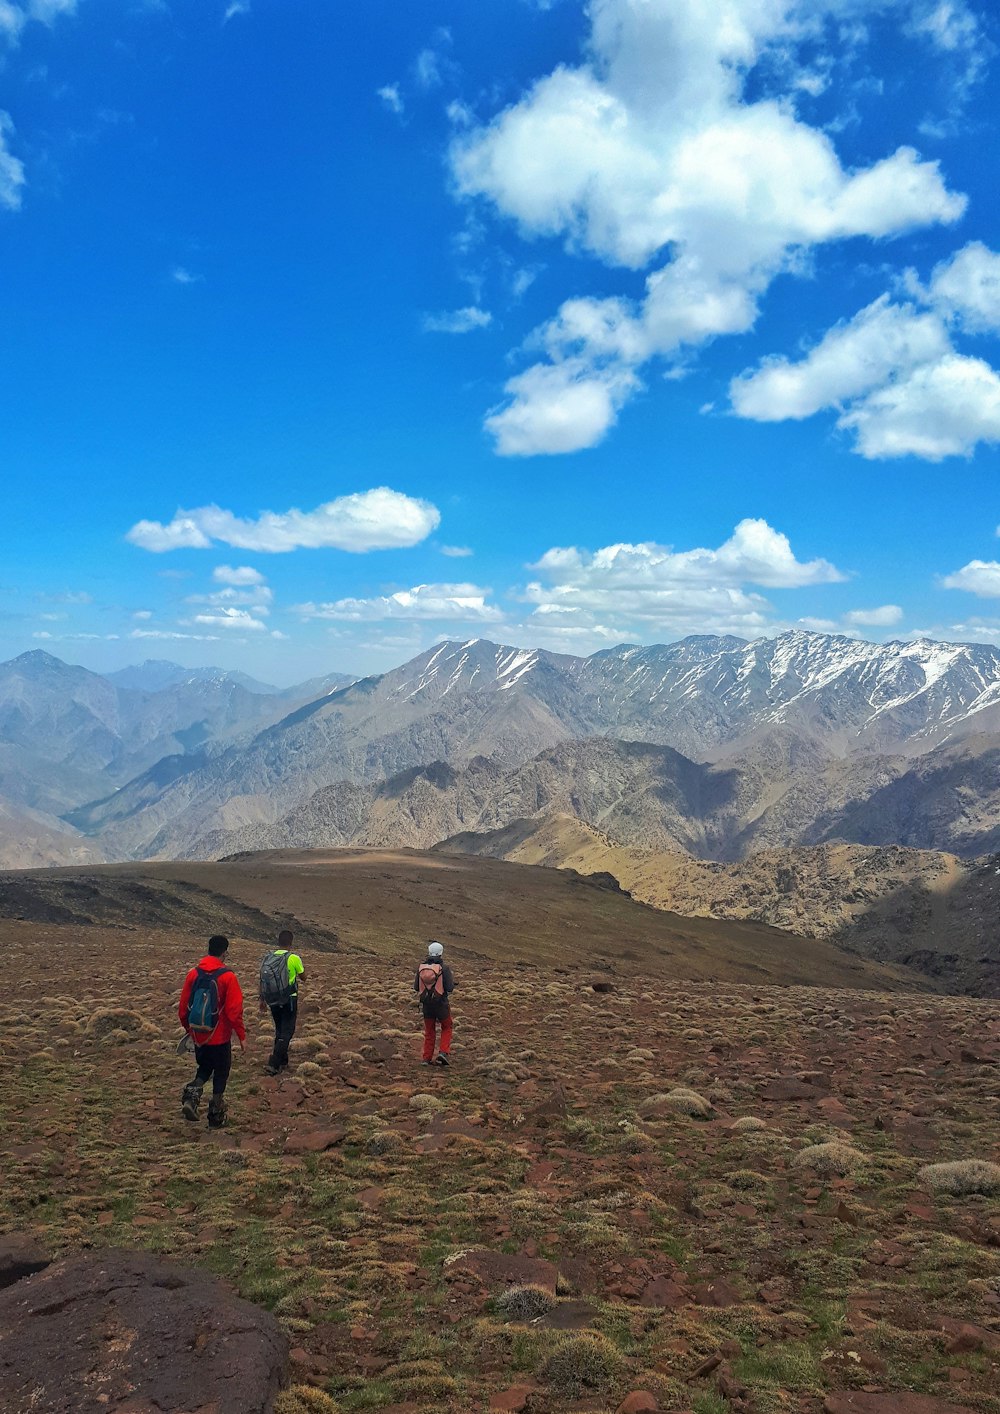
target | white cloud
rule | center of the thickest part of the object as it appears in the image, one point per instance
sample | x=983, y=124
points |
x=160, y=633
x=623, y=591
x=238, y=619
x=466, y=603
x=236, y=7
x=559, y=407
x=653, y=146
x=458, y=321
x=11, y=168
x=882, y=341
x=238, y=575
x=892, y=372
x=181, y=276
x=392, y=98
x=143, y=614
x=456, y=552
x=368, y=520
x=980, y=577
x=966, y=288
x=882, y=617
x=940, y=410
x=258, y=598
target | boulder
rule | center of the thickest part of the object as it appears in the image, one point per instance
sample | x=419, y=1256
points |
x=127, y=1330
x=20, y=1256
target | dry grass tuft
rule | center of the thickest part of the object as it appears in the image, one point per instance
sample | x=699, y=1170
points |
x=586, y=1364
x=961, y=1177
x=749, y=1124
x=524, y=1303
x=831, y=1158
x=116, y=1018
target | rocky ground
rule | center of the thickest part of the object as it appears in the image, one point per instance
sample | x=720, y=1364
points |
x=673, y=1195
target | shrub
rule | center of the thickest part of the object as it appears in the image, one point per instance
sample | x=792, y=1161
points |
x=309, y=1070
x=583, y=1365
x=115, y=1018
x=524, y=1303
x=962, y=1177
x=830, y=1158
x=748, y=1124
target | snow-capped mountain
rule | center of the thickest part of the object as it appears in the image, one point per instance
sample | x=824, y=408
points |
x=780, y=705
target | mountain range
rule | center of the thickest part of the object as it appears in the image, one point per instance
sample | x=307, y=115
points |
x=713, y=746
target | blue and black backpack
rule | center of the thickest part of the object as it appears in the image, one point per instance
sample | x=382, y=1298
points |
x=204, y=1006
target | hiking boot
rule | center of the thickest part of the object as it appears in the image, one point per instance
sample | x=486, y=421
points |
x=427, y=1062
x=270, y=1069
x=443, y=1059
x=190, y=1100
x=216, y=1112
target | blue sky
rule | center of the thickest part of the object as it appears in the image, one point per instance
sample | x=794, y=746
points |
x=671, y=316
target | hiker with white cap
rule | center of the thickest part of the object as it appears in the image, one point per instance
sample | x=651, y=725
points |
x=434, y=984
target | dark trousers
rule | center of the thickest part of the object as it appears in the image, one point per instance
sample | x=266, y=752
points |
x=214, y=1063
x=284, y=1029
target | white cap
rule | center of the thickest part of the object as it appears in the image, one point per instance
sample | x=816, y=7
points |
x=435, y=950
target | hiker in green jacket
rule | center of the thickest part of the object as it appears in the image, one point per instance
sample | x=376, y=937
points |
x=281, y=970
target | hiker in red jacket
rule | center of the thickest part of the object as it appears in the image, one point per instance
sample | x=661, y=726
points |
x=210, y=1010
x=434, y=984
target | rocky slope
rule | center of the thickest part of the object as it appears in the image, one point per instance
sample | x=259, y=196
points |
x=30, y=839
x=922, y=909
x=782, y=791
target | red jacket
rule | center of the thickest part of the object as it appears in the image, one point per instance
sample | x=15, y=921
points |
x=230, y=1002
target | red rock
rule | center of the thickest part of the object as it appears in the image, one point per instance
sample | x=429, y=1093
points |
x=191, y=1343
x=640, y=1401
x=315, y=1141
x=514, y=1398
x=715, y=1293
x=665, y=1293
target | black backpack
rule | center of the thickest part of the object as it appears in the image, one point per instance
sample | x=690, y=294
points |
x=204, y=1004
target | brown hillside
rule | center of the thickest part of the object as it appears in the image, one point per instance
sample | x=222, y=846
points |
x=390, y=903
x=919, y=908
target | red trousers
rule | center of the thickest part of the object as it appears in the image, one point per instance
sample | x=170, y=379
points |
x=430, y=1036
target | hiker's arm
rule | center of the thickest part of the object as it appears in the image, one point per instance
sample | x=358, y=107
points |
x=449, y=981
x=184, y=1003
x=233, y=1008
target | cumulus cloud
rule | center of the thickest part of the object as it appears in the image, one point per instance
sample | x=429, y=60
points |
x=240, y=575
x=980, y=577
x=458, y=321
x=966, y=288
x=230, y=618
x=883, y=617
x=560, y=407
x=893, y=373
x=380, y=519
x=654, y=146
x=466, y=603
x=622, y=590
